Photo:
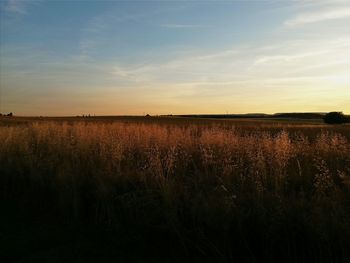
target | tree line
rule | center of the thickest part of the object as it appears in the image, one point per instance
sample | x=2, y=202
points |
x=336, y=118
x=7, y=115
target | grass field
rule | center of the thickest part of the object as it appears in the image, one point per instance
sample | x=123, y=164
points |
x=167, y=189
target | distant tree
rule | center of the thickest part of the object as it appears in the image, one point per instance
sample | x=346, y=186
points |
x=147, y=115
x=334, y=118
x=10, y=114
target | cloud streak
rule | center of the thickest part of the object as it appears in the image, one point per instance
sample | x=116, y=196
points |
x=16, y=6
x=319, y=16
x=19, y=7
x=293, y=68
x=183, y=26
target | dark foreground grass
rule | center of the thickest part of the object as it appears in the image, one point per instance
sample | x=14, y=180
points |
x=173, y=190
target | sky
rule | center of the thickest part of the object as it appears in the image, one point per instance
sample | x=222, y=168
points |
x=174, y=57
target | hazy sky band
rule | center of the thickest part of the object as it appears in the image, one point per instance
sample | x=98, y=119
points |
x=161, y=57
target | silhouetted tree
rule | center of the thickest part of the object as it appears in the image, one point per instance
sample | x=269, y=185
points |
x=10, y=114
x=334, y=118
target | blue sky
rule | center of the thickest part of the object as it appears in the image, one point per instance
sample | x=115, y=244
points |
x=160, y=57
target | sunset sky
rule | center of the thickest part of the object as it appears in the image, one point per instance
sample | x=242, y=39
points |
x=174, y=57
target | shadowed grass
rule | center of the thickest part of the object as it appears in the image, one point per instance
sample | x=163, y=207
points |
x=245, y=191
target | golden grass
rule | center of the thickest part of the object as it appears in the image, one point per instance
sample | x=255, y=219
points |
x=191, y=177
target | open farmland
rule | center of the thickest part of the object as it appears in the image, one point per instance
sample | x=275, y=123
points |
x=167, y=189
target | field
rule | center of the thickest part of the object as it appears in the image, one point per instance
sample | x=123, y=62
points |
x=167, y=189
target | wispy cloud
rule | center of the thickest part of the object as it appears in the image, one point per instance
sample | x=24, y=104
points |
x=19, y=7
x=319, y=16
x=312, y=72
x=16, y=6
x=179, y=26
x=288, y=65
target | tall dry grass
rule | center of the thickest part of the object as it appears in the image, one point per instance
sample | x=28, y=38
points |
x=224, y=191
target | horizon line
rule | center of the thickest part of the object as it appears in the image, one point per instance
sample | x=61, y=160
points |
x=168, y=115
